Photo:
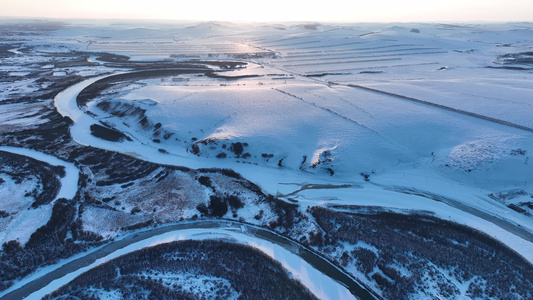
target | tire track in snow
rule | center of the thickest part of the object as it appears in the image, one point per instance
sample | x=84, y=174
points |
x=440, y=106
x=327, y=110
x=344, y=62
x=341, y=116
x=365, y=54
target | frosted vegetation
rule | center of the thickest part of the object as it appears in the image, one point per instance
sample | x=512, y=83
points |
x=189, y=270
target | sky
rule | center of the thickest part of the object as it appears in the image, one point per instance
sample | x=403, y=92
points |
x=277, y=10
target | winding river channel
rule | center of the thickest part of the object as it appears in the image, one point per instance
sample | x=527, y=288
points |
x=323, y=278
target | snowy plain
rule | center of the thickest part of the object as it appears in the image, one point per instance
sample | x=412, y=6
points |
x=333, y=99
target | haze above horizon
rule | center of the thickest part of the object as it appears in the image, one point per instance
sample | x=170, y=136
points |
x=277, y=10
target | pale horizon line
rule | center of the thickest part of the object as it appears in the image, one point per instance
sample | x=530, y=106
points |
x=444, y=21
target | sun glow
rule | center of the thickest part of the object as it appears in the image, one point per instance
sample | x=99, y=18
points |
x=276, y=10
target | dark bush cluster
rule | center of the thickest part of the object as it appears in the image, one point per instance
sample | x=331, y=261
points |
x=226, y=172
x=288, y=215
x=206, y=181
x=237, y=148
x=219, y=205
x=108, y=134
